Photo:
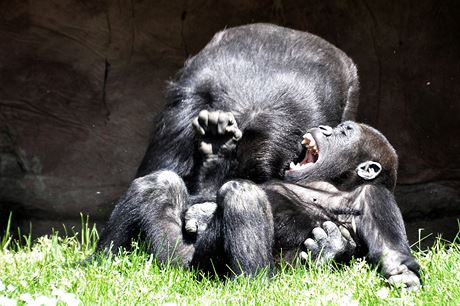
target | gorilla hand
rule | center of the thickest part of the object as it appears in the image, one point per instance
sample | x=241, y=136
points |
x=197, y=217
x=218, y=129
x=329, y=243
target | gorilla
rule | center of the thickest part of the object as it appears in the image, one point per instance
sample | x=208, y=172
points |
x=275, y=83
x=346, y=174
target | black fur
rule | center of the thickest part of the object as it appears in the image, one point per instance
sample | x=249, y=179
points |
x=331, y=189
x=277, y=83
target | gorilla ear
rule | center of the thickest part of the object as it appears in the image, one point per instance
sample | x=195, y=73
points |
x=369, y=170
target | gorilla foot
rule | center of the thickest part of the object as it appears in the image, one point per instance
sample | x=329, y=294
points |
x=198, y=216
x=216, y=123
x=218, y=129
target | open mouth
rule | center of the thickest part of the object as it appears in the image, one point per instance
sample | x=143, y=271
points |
x=309, y=156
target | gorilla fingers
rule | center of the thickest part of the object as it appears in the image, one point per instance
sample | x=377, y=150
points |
x=329, y=242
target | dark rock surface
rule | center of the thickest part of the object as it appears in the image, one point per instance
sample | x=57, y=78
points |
x=81, y=81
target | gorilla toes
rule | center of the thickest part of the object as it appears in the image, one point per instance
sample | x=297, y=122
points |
x=191, y=226
x=198, y=216
x=405, y=278
x=216, y=123
x=329, y=242
x=219, y=131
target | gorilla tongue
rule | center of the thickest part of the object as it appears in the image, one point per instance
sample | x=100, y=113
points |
x=311, y=156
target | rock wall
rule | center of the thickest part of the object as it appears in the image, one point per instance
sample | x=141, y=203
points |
x=81, y=81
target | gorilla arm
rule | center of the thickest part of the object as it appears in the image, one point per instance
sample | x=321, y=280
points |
x=380, y=226
x=369, y=212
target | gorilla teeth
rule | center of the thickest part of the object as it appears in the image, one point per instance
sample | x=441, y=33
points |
x=301, y=165
x=311, y=156
x=293, y=166
x=308, y=140
x=310, y=143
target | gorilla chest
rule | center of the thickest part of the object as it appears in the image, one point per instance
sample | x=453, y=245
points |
x=299, y=209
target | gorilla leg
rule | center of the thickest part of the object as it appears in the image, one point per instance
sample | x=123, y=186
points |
x=161, y=217
x=247, y=227
x=155, y=203
x=123, y=223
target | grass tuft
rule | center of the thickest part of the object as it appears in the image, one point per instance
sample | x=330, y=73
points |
x=49, y=271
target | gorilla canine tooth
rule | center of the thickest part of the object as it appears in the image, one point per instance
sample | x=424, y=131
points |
x=308, y=140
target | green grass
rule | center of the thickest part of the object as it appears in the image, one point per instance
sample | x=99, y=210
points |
x=48, y=271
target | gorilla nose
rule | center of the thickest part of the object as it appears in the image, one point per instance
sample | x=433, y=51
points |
x=326, y=130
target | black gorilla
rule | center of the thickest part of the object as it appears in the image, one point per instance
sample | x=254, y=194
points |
x=346, y=174
x=276, y=83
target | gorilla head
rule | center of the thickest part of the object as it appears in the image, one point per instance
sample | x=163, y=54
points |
x=347, y=156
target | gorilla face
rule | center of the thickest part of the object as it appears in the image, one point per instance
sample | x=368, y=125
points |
x=324, y=147
x=347, y=155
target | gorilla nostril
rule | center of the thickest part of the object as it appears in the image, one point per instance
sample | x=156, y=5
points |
x=326, y=130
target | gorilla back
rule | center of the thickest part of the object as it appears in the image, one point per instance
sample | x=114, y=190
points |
x=277, y=82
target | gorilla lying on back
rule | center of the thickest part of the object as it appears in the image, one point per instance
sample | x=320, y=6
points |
x=346, y=174
x=276, y=83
